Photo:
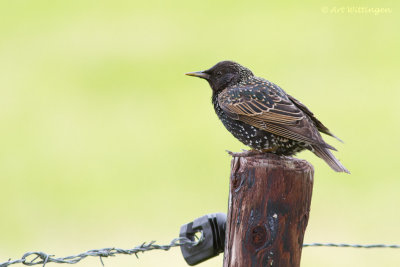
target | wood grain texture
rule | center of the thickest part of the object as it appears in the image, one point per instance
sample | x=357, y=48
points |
x=269, y=206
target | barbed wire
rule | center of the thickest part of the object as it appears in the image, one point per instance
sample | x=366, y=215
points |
x=44, y=258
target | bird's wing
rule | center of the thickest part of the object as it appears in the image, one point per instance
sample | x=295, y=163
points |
x=267, y=107
x=322, y=128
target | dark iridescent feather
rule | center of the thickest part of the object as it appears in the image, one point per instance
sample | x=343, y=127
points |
x=317, y=123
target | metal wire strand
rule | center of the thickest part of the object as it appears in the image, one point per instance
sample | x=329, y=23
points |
x=43, y=258
x=350, y=245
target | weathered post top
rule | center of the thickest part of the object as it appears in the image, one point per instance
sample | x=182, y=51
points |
x=269, y=206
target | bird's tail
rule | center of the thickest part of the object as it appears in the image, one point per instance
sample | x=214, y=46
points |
x=329, y=158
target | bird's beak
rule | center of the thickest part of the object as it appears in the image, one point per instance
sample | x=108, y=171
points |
x=200, y=74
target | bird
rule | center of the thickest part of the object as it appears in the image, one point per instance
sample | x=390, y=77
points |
x=263, y=116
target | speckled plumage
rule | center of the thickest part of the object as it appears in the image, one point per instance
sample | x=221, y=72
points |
x=261, y=115
x=254, y=137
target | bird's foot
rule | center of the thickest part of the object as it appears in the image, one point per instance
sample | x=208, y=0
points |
x=246, y=153
x=252, y=152
x=270, y=150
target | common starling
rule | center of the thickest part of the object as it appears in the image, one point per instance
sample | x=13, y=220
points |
x=261, y=115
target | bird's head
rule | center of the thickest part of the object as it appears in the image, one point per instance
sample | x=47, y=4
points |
x=223, y=74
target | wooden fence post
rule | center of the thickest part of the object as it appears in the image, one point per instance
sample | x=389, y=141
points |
x=269, y=206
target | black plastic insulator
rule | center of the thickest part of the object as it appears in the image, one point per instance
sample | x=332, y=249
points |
x=211, y=228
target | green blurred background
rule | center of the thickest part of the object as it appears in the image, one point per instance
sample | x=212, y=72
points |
x=104, y=141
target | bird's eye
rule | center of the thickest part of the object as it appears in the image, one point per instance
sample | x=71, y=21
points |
x=219, y=73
